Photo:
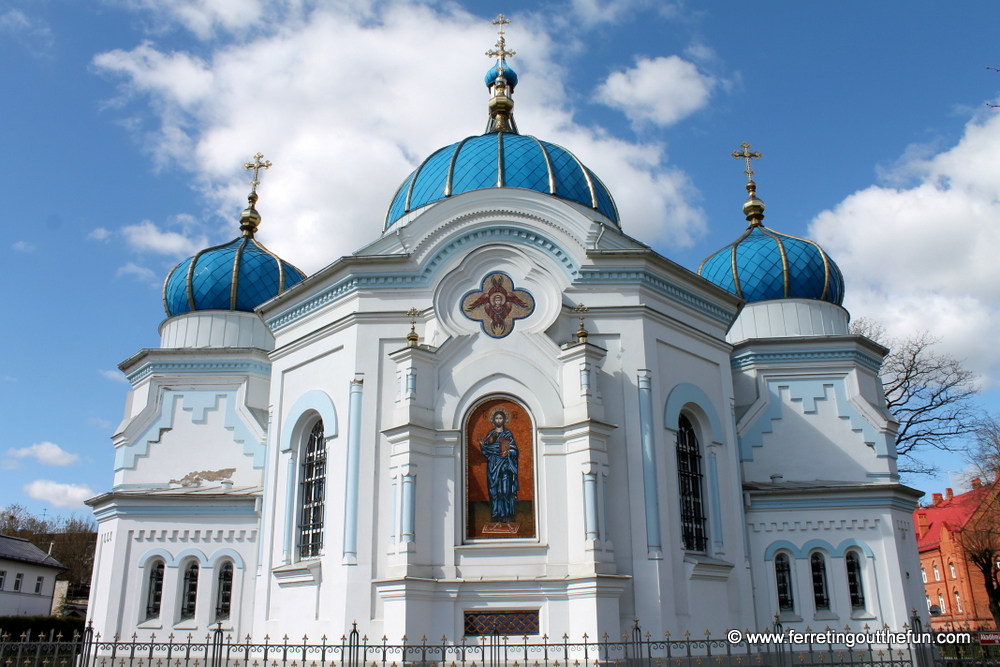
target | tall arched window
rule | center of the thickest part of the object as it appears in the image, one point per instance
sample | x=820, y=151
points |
x=189, y=591
x=783, y=575
x=224, y=595
x=821, y=596
x=689, y=483
x=313, y=494
x=154, y=590
x=854, y=582
x=958, y=603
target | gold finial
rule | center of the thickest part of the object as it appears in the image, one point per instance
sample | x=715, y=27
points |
x=250, y=219
x=753, y=208
x=581, y=334
x=412, y=339
x=501, y=106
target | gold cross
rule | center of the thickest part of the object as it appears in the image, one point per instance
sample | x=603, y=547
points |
x=745, y=154
x=500, y=51
x=412, y=313
x=258, y=163
x=581, y=309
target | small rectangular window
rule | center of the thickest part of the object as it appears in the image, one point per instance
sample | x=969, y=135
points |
x=3, y=578
x=18, y=578
x=38, y=584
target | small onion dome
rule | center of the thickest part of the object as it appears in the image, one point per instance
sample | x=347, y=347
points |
x=239, y=275
x=501, y=159
x=508, y=73
x=764, y=264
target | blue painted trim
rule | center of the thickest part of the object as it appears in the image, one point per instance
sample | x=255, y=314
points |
x=236, y=366
x=114, y=511
x=312, y=401
x=162, y=554
x=654, y=545
x=801, y=553
x=591, y=527
x=807, y=392
x=659, y=285
x=197, y=403
x=409, y=508
x=231, y=554
x=716, y=507
x=395, y=281
x=291, y=511
x=196, y=554
x=350, y=556
x=685, y=394
x=750, y=358
x=827, y=503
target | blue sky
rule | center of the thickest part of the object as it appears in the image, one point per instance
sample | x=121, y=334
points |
x=126, y=123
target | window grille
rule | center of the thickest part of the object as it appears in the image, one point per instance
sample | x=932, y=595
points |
x=513, y=623
x=854, y=582
x=820, y=594
x=313, y=490
x=154, y=594
x=783, y=575
x=224, y=597
x=189, y=593
x=689, y=483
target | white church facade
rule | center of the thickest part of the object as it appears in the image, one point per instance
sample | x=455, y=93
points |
x=505, y=413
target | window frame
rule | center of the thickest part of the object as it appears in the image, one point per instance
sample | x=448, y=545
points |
x=856, y=580
x=39, y=583
x=18, y=580
x=784, y=578
x=311, y=507
x=154, y=589
x=690, y=487
x=224, y=590
x=188, y=608
x=820, y=582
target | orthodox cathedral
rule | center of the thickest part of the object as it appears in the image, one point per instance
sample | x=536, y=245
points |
x=505, y=413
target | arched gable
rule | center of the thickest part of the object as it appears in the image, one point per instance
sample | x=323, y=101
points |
x=313, y=401
x=692, y=397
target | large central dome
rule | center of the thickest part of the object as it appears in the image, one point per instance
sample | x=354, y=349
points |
x=501, y=160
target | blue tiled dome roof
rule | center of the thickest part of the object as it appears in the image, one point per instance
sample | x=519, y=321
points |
x=764, y=264
x=508, y=73
x=239, y=275
x=501, y=159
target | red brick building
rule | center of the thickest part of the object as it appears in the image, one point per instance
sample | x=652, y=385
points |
x=951, y=583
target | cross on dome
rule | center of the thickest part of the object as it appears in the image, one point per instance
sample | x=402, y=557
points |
x=746, y=155
x=753, y=208
x=258, y=163
x=250, y=219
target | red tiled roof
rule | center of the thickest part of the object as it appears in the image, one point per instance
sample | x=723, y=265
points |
x=951, y=514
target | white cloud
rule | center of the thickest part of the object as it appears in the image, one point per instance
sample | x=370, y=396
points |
x=46, y=453
x=923, y=257
x=140, y=273
x=22, y=246
x=115, y=375
x=58, y=494
x=33, y=33
x=330, y=101
x=99, y=423
x=660, y=90
x=99, y=234
x=147, y=237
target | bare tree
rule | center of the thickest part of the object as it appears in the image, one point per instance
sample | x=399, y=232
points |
x=931, y=395
x=72, y=540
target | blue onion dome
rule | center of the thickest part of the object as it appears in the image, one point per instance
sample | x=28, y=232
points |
x=502, y=160
x=239, y=275
x=763, y=264
x=508, y=74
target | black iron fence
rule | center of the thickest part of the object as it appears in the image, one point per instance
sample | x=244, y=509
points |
x=776, y=647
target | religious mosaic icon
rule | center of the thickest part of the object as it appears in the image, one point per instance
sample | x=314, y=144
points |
x=500, y=482
x=497, y=304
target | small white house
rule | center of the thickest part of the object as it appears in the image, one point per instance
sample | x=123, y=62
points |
x=27, y=578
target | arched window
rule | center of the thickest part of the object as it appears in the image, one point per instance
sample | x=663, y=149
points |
x=944, y=607
x=154, y=590
x=224, y=595
x=313, y=494
x=689, y=482
x=951, y=570
x=937, y=573
x=783, y=575
x=189, y=591
x=923, y=575
x=821, y=596
x=854, y=583
x=958, y=603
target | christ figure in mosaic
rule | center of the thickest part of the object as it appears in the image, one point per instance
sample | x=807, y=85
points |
x=500, y=450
